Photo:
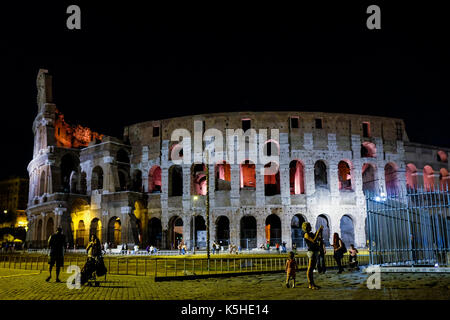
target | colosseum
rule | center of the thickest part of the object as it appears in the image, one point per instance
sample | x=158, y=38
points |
x=130, y=190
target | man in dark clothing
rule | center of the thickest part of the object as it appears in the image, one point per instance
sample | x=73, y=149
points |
x=56, y=244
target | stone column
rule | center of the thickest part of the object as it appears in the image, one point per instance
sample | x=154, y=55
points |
x=211, y=186
x=235, y=228
x=187, y=219
x=260, y=229
x=260, y=197
x=186, y=187
x=235, y=186
x=59, y=211
x=284, y=170
x=334, y=182
x=125, y=220
x=164, y=198
x=110, y=175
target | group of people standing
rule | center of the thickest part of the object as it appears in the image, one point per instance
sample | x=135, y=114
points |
x=316, y=256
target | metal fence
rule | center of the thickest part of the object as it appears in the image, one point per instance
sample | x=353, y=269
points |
x=172, y=268
x=409, y=227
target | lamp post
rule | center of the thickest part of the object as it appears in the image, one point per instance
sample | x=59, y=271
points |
x=193, y=224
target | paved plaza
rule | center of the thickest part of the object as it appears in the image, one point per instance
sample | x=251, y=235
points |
x=30, y=285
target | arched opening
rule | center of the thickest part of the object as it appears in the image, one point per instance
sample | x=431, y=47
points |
x=198, y=179
x=344, y=175
x=391, y=178
x=296, y=231
x=123, y=180
x=97, y=178
x=175, y=181
x=83, y=183
x=322, y=220
x=114, y=234
x=368, y=150
x=271, y=179
x=39, y=233
x=95, y=229
x=154, y=228
x=69, y=164
x=347, y=231
x=73, y=182
x=411, y=176
x=442, y=156
x=248, y=232
x=444, y=179
x=154, y=180
x=320, y=175
x=42, y=183
x=198, y=232
x=175, y=231
x=80, y=235
x=122, y=156
x=368, y=178
x=296, y=177
x=138, y=232
x=223, y=176
x=273, y=229
x=223, y=231
x=248, y=175
x=137, y=181
x=50, y=229
x=271, y=148
x=428, y=178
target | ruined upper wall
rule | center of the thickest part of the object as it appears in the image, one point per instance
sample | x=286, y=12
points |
x=343, y=125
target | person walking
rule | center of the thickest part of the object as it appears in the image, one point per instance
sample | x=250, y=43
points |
x=313, y=251
x=339, y=250
x=56, y=244
x=321, y=267
x=291, y=269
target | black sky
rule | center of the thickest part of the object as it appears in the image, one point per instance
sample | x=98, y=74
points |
x=131, y=63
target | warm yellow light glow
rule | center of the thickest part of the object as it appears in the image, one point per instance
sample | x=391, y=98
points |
x=195, y=198
x=5, y=211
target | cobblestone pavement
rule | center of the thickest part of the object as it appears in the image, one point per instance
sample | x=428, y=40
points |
x=31, y=285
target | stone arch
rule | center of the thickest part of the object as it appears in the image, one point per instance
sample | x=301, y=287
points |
x=222, y=172
x=83, y=183
x=73, y=182
x=345, y=175
x=296, y=230
x=49, y=228
x=247, y=175
x=442, y=156
x=368, y=178
x=391, y=178
x=248, y=232
x=368, y=150
x=347, y=230
x=80, y=234
x=175, y=181
x=323, y=220
x=320, y=174
x=271, y=179
x=271, y=148
x=154, y=231
x=122, y=156
x=428, y=178
x=198, y=179
x=69, y=164
x=444, y=179
x=114, y=234
x=273, y=229
x=296, y=177
x=198, y=229
x=39, y=232
x=137, y=181
x=123, y=179
x=97, y=178
x=175, y=231
x=411, y=176
x=154, y=180
x=42, y=182
x=95, y=228
x=223, y=230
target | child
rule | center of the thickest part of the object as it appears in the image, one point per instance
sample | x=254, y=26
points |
x=353, y=257
x=291, y=268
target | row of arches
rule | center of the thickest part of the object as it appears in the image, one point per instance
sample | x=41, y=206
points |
x=428, y=177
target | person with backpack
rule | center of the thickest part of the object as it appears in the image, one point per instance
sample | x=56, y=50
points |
x=291, y=269
x=339, y=251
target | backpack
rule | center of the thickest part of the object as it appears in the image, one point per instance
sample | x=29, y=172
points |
x=344, y=248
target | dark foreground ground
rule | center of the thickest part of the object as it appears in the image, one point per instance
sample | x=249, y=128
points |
x=31, y=285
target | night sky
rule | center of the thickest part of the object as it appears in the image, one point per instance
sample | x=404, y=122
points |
x=131, y=63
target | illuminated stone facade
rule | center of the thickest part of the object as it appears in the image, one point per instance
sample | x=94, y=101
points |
x=129, y=191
